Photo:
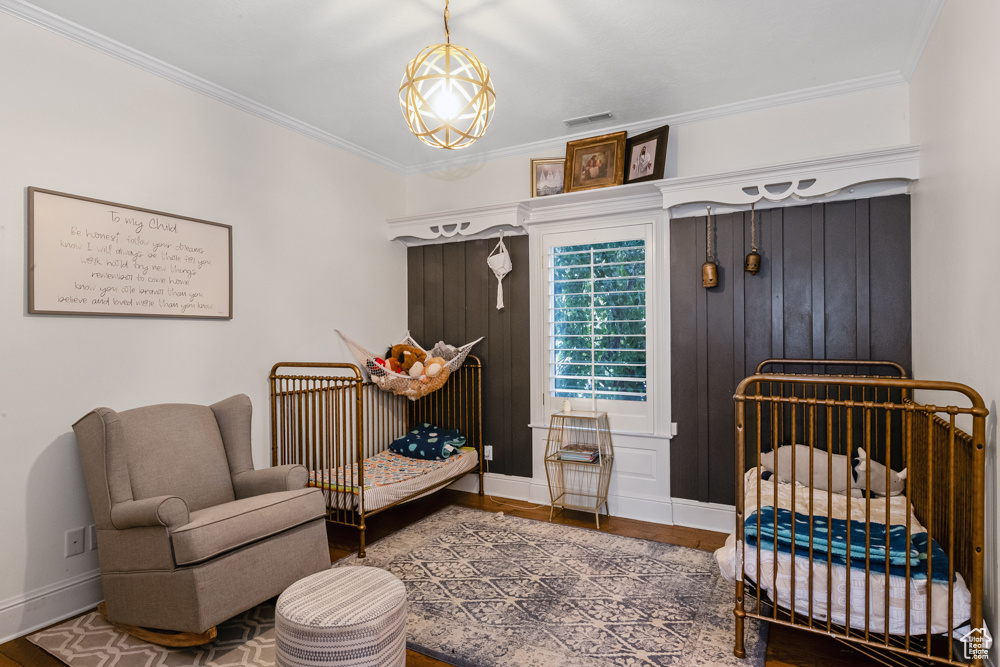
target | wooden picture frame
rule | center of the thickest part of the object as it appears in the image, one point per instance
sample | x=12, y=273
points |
x=596, y=162
x=646, y=154
x=93, y=257
x=547, y=176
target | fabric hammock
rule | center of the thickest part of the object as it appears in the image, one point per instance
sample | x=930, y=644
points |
x=400, y=383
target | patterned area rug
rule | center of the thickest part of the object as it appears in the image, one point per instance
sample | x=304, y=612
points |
x=89, y=641
x=486, y=590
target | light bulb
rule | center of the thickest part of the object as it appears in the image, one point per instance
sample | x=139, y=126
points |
x=446, y=104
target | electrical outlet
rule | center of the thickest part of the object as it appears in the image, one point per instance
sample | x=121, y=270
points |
x=91, y=537
x=74, y=542
x=488, y=452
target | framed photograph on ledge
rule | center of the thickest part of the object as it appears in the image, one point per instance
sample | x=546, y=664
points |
x=647, y=153
x=547, y=175
x=596, y=162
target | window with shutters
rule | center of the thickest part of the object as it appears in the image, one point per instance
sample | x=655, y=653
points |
x=597, y=321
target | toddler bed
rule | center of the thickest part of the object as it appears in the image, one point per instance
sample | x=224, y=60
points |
x=326, y=417
x=895, y=577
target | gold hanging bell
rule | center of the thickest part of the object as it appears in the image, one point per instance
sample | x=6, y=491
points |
x=709, y=274
x=753, y=259
x=709, y=270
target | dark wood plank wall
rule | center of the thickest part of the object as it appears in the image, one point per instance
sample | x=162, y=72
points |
x=834, y=284
x=452, y=297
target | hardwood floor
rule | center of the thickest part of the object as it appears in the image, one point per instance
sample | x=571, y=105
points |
x=786, y=647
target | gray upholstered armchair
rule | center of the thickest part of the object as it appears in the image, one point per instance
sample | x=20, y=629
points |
x=189, y=534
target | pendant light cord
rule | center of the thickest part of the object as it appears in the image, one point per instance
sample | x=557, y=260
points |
x=447, y=14
x=753, y=229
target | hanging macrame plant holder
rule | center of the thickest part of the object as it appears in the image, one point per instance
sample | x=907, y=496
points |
x=400, y=383
x=499, y=262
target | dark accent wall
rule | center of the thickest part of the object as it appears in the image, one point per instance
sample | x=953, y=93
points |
x=452, y=297
x=834, y=284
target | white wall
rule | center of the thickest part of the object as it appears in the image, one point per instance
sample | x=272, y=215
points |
x=309, y=255
x=818, y=128
x=956, y=231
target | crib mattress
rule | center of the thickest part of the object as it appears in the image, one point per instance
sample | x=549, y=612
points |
x=793, y=574
x=389, y=478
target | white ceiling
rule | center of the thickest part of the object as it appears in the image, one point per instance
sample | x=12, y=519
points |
x=331, y=68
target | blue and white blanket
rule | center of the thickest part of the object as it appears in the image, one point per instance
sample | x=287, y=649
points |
x=830, y=537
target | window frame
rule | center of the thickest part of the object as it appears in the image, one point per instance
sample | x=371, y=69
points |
x=626, y=416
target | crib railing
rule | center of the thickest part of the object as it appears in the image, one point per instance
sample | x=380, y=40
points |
x=945, y=483
x=327, y=418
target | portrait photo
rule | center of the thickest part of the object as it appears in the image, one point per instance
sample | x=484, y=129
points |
x=647, y=154
x=595, y=162
x=547, y=176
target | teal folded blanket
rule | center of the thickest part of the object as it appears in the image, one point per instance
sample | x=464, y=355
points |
x=829, y=536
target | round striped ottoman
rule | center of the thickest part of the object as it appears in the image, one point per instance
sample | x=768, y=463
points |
x=344, y=616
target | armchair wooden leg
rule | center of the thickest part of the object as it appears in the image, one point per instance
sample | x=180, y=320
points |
x=162, y=637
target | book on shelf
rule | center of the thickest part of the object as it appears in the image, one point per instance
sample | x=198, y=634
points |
x=578, y=451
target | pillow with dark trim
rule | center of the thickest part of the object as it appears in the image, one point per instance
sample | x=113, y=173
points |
x=429, y=442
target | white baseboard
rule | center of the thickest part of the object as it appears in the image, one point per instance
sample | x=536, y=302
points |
x=706, y=516
x=23, y=614
x=666, y=511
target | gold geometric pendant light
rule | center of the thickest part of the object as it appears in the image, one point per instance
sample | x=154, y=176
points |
x=447, y=95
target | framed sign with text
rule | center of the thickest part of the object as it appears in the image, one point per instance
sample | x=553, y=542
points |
x=93, y=257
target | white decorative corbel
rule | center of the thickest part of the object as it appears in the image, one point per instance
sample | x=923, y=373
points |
x=855, y=176
x=873, y=173
x=458, y=225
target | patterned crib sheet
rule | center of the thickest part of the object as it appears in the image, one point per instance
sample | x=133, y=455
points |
x=388, y=477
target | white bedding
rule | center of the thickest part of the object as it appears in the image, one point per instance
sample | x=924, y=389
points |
x=781, y=495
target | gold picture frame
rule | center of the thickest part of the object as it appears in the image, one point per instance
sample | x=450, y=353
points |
x=548, y=176
x=596, y=162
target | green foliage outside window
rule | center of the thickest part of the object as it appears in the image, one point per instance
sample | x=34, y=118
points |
x=598, y=321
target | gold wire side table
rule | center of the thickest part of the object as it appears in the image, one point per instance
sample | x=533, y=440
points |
x=578, y=461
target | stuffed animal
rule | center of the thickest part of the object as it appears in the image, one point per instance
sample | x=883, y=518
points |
x=433, y=366
x=445, y=351
x=840, y=466
x=897, y=480
x=407, y=355
x=416, y=370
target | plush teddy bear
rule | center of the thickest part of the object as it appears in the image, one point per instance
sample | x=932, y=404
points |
x=407, y=356
x=433, y=366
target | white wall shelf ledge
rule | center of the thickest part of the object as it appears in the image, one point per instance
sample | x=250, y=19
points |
x=874, y=173
x=466, y=224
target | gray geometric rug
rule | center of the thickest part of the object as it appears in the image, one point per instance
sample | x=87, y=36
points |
x=89, y=641
x=492, y=591
x=487, y=590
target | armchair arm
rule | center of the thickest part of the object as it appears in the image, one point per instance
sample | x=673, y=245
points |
x=169, y=511
x=270, y=480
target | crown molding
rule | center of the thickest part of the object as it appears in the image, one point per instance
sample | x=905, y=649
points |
x=557, y=146
x=919, y=43
x=60, y=26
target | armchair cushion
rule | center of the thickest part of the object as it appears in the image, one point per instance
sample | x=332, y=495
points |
x=216, y=530
x=176, y=450
x=289, y=477
x=169, y=511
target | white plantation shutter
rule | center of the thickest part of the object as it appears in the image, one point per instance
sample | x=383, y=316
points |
x=597, y=321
